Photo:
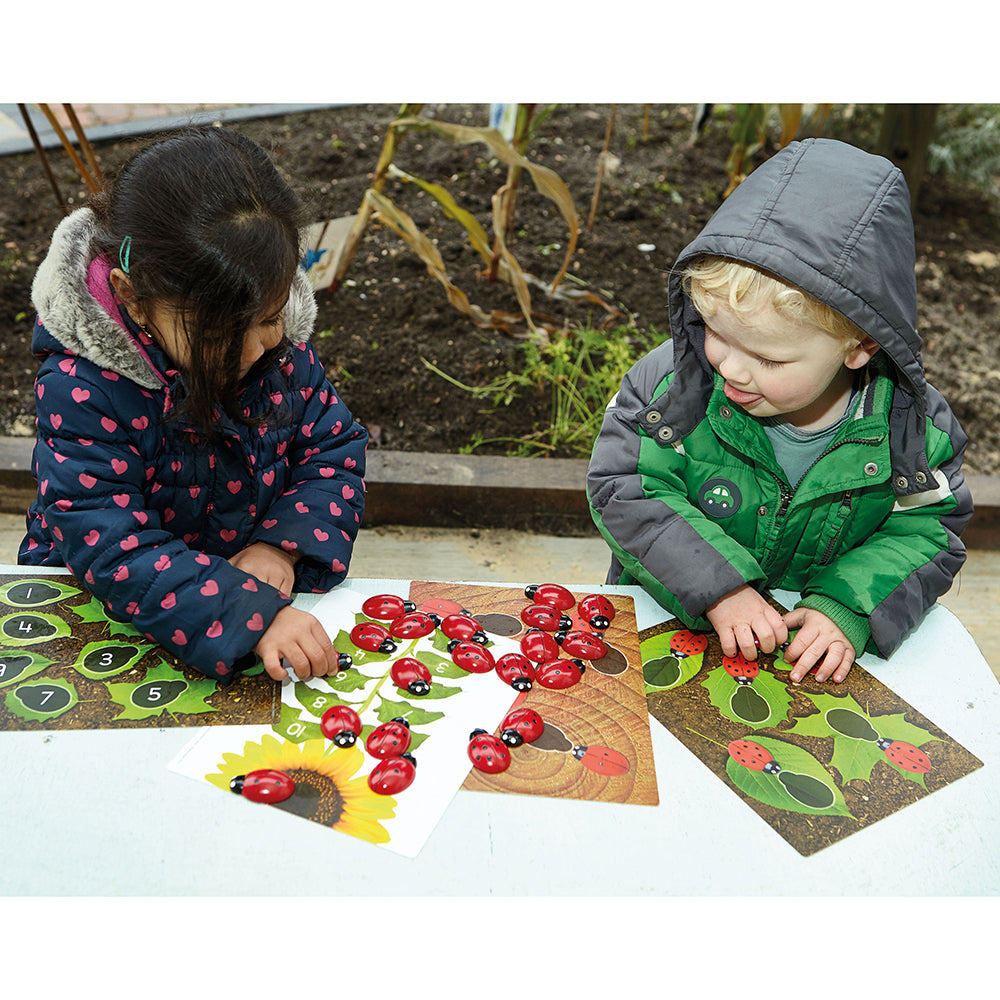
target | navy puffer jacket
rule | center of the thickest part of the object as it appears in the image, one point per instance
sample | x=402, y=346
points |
x=146, y=514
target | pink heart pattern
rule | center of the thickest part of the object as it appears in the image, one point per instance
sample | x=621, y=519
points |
x=294, y=482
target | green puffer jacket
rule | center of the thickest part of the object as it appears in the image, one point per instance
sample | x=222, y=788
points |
x=684, y=485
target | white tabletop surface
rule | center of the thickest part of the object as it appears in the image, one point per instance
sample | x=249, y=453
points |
x=99, y=813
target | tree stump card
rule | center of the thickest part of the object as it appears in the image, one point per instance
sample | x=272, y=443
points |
x=595, y=743
x=65, y=663
x=816, y=761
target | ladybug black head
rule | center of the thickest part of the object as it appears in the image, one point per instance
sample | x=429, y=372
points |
x=401, y=721
x=476, y=732
x=418, y=687
x=530, y=590
x=236, y=785
x=599, y=622
x=344, y=660
x=521, y=684
x=512, y=737
x=345, y=739
x=387, y=646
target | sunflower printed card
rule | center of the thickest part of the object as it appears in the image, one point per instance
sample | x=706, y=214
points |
x=378, y=750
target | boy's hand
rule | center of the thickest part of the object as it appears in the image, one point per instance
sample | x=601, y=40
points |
x=268, y=564
x=299, y=638
x=743, y=615
x=818, y=640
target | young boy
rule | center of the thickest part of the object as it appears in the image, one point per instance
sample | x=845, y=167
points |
x=786, y=435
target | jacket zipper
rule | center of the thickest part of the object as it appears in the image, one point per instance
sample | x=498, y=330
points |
x=788, y=492
x=843, y=512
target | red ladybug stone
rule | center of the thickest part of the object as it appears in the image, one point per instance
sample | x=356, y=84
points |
x=539, y=646
x=741, y=668
x=597, y=610
x=472, y=657
x=521, y=725
x=516, y=670
x=558, y=674
x=544, y=617
x=373, y=637
x=408, y=672
x=602, y=760
x=264, y=785
x=341, y=724
x=687, y=643
x=386, y=607
x=414, y=625
x=582, y=644
x=488, y=753
x=550, y=593
x=460, y=626
x=390, y=739
x=393, y=775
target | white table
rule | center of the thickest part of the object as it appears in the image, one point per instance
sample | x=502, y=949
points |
x=98, y=813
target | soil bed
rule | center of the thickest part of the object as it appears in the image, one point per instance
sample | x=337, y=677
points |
x=377, y=330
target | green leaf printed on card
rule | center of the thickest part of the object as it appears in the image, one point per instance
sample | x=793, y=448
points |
x=801, y=785
x=41, y=700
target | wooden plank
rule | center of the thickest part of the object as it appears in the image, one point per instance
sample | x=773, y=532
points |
x=428, y=489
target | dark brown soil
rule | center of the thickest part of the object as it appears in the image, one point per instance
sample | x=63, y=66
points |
x=390, y=314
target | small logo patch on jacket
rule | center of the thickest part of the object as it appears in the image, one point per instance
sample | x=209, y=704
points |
x=719, y=498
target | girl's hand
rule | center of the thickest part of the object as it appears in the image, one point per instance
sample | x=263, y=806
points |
x=299, y=638
x=268, y=564
x=818, y=640
x=743, y=616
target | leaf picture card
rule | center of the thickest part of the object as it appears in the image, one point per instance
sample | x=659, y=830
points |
x=816, y=761
x=331, y=782
x=66, y=663
x=596, y=742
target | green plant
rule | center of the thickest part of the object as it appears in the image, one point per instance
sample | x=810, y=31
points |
x=499, y=261
x=581, y=368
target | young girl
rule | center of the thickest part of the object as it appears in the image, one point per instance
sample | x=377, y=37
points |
x=194, y=465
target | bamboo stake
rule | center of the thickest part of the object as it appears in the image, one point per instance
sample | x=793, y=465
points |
x=68, y=146
x=84, y=142
x=41, y=155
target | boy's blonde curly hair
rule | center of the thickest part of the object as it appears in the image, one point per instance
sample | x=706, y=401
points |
x=745, y=289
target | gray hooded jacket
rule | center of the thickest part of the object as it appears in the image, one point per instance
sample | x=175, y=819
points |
x=834, y=221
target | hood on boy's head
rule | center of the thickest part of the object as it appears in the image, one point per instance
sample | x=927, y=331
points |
x=834, y=221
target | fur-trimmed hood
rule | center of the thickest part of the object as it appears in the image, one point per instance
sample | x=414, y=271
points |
x=77, y=321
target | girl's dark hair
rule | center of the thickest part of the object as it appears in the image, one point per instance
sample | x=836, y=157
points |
x=215, y=233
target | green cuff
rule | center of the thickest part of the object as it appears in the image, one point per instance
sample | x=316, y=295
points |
x=856, y=628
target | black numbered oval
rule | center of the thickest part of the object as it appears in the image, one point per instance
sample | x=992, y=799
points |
x=22, y=627
x=156, y=694
x=32, y=592
x=107, y=659
x=13, y=666
x=44, y=699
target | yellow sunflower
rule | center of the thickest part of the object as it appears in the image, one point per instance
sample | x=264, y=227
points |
x=325, y=790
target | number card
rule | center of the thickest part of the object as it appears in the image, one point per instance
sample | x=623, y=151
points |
x=65, y=663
